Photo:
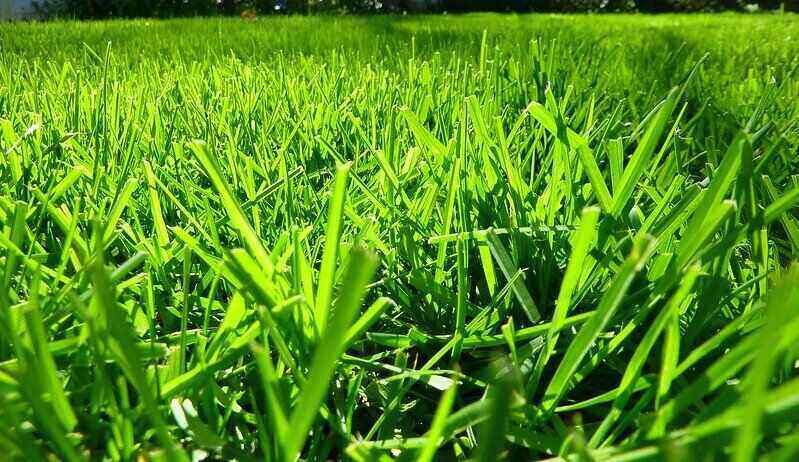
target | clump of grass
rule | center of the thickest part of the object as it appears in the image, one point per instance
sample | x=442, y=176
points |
x=482, y=246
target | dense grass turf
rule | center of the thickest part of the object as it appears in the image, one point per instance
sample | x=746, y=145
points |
x=425, y=238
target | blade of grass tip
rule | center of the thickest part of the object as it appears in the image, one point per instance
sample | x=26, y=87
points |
x=63, y=218
x=327, y=272
x=641, y=354
x=119, y=206
x=483, y=51
x=263, y=292
x=639, y=161
x=591, y=330
x=423, y=136
x=583, y=241
x=434, y=435
x=328, y=351
x=723, y=178
x=155, y=206
x=238, y=220
x=509, y=333
x=449, y=212
x=571, y=138
x=478, y=121
x=782, y=305
x=63, y=258
x=303, y=283
x=511, y=170
x=509, y=269
x=59, y=189
x=234, y=313
x=615, y=153
x=366, y=320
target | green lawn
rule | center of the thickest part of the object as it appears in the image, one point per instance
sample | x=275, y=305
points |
x=418, y=238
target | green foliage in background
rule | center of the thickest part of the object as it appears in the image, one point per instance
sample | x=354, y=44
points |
x=170, y=8
x=429, y=238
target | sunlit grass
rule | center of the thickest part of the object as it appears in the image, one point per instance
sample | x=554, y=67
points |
x=443, y=238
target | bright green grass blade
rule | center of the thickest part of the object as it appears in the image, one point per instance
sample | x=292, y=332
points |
x=434, y=434
x=788, y=222
x=328, y=351
x=449, y=212
x=327, y=273
x=369, y=317
x=590, y=331
x=500, y=397
x=423, y=135
x=237, y=219
x=269, y=381
x=640, y=160
x=692, y=244
x=709, y=380
x=636, y=362
x=671, y=356
x=781, y=307
x=780, y=206
x=119, y=206
x=47, y=367
x=69, y=179
x=155, y=205
x=509, y=269
x=706, y=211
x=16, y=235
x=462, y=303
x=112, y=326
x=509, y=333
x=570, y=138
x=234, y=314
x=581, y=245
x=616, y=160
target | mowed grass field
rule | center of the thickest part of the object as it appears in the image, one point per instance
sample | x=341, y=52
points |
x=475, y=237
